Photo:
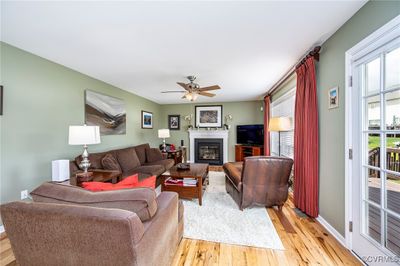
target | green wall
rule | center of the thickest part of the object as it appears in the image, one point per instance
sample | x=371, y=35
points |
x=331, y=73
x=243, y=113
x=41, y=99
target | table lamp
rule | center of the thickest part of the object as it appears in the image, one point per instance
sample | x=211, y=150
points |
x=279, y=124
x=84, y=135
x=162, y=134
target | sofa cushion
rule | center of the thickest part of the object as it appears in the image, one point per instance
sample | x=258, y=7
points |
x=153, y=155
x=109, y=162
x=141, y=152
x=167, y=163
x=142, y=201
x=127, y=159
x=141, y=176
x=149, y=169
x=94, y=158
x=234, y=172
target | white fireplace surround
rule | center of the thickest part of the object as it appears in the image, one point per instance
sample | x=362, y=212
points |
x=208, y=134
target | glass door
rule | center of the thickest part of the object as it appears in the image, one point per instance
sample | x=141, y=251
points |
x=376, y=161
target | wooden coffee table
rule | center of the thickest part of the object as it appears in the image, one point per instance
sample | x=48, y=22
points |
x=97, y=175
x=197, y=171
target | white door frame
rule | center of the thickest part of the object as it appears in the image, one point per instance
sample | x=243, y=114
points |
x=370, y=43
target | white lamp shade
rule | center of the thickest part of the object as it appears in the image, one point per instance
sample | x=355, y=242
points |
x=279, y=124
x=163, y=133
x=84, y=135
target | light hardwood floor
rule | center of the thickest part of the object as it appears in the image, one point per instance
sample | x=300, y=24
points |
x=306, y=242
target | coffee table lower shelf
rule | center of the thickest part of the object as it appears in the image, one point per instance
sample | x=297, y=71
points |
x=186, y=192
x=198, y=171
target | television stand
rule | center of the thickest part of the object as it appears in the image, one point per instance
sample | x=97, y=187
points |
x=242, y=151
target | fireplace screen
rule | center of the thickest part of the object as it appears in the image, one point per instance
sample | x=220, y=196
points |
x=209, y=151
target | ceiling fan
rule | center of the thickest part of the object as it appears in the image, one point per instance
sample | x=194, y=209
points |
x=193, y=90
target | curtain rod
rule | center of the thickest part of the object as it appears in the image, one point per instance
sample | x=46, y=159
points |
x=313, y=53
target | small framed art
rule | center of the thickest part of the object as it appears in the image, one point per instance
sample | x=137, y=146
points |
x=333, y=98
x=147, y=119
x=174, y=122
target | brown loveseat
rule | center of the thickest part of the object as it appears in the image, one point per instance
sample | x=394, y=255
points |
x=67, y=225
x=139, y=159
x=260, y=180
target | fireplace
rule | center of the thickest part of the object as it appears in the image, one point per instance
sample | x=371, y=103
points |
x=209, y=151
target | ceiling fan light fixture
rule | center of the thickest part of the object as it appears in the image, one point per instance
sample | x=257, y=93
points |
x=189, y=96
x=194, y=96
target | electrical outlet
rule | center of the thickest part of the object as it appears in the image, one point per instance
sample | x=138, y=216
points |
x=24, y=194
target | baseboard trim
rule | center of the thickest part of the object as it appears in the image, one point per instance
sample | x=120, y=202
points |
x=332, y=230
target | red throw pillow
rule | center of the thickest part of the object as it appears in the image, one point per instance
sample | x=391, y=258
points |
x=130, y=180
x=96, y=186
x=148, y=182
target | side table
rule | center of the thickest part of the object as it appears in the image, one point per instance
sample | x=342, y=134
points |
x=96, y=175
x=176, y=155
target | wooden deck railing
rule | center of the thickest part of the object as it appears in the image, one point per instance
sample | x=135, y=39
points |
x=392, y=161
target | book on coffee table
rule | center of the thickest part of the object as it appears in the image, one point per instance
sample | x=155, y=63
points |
x=186, y=182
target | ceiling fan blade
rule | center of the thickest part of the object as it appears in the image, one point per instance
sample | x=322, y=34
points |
x=182, y=85
x=206, y=94
x=210, y=88
x=173, y=91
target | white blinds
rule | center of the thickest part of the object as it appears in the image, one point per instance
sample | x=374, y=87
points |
x=283, y=106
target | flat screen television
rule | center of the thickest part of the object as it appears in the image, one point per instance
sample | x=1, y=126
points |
x=250, y=134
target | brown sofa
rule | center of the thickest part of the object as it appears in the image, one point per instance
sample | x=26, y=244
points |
x=259, y=180
x=67, y=225
x=139, y=159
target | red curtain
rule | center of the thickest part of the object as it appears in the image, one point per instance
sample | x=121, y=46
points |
x=267, y=148
x=306, y=140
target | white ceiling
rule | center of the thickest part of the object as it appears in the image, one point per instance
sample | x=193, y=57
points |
x=145, y=47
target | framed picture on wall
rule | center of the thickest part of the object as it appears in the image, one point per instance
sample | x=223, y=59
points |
x=333, y=98
x=208, y=116
x=105, y=111
x=147, y=119
x=174, y=122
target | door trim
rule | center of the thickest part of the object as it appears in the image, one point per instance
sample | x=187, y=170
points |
x=378, y=38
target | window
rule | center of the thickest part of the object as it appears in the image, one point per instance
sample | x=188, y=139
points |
x=284, y=106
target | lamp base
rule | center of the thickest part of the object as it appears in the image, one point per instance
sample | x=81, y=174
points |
x=85, y=163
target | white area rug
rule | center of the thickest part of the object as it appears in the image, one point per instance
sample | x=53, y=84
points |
x=220, y=220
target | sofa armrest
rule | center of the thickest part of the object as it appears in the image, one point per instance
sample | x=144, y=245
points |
x=153, y=155
x=162, y=228
x=167, y=212
x=141, y=201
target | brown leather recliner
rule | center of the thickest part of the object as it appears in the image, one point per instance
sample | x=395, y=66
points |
x=260, y=180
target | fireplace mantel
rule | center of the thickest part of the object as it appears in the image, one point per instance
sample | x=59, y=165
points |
x=208, y=134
